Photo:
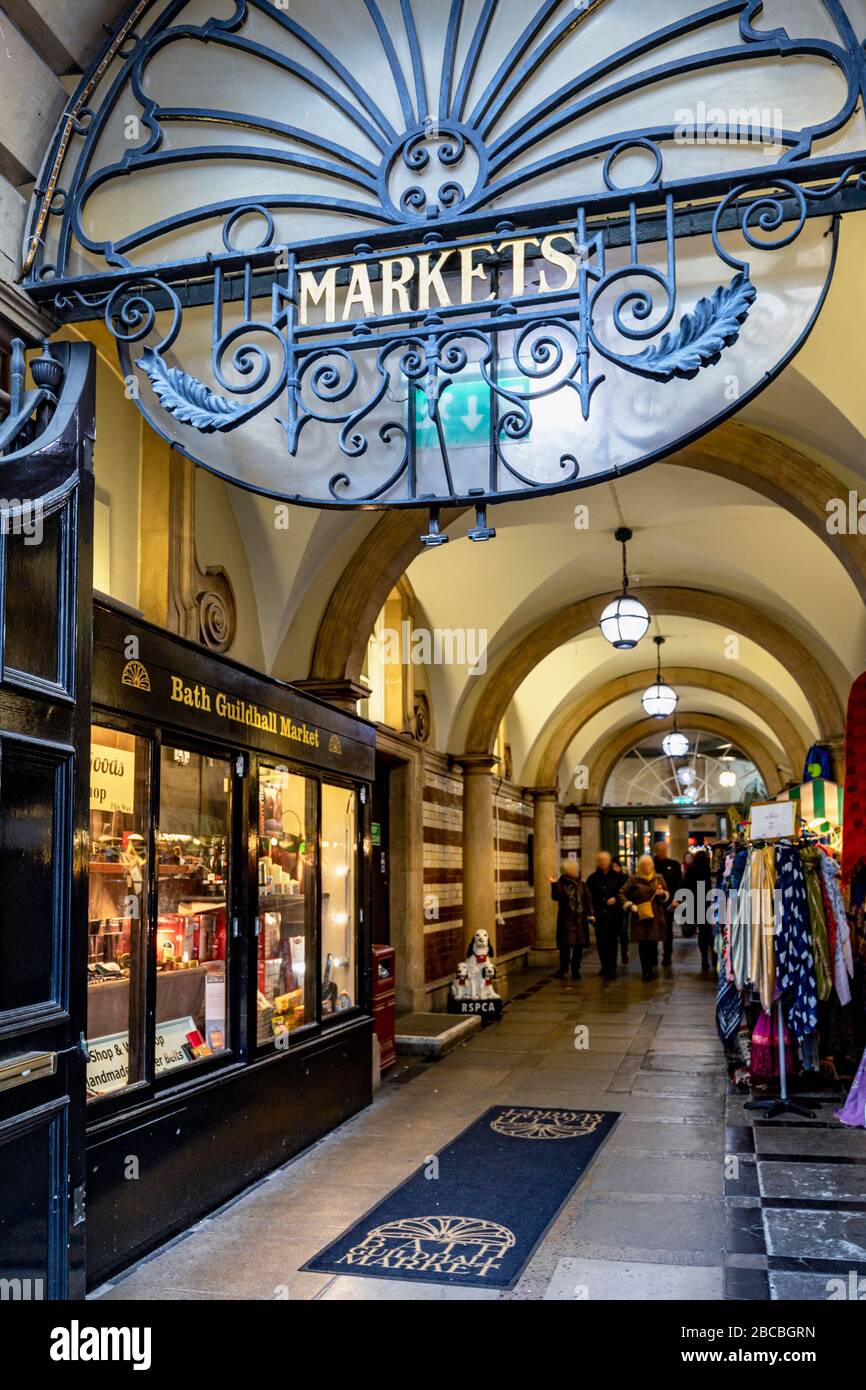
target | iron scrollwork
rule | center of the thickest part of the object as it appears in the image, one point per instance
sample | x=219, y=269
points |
x=418, y=165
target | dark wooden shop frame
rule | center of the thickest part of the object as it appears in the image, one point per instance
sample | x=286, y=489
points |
x=204, y=1134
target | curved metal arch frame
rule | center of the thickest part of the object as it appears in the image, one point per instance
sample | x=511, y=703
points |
x=654, y=764
x=316, y=370
x=451, y=120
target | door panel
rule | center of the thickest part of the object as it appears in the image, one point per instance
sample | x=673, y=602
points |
x=45, y=644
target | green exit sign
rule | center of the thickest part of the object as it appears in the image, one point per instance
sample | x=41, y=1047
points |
x=464, y=409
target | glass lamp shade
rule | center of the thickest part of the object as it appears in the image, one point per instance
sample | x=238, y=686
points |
x=624, y=622
x=685, y=776
x=660, y=701
x=727, y=779
x=676, y=745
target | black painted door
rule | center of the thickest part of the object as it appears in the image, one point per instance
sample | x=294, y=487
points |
x=46, y=513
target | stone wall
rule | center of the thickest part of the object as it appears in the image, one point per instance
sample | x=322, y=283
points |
x=44, y=47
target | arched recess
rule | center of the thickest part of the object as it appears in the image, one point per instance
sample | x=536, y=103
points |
x=681, y=677
x=772, y=468
x=606, y=753
x=758, y=461
x=500, y=684
x=360, y=592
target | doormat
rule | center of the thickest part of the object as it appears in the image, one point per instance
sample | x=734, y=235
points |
x=474, y=1212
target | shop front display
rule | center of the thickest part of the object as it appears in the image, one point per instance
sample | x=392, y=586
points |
x=228, y=991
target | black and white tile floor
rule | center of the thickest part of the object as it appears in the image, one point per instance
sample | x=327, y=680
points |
x=795, y=1193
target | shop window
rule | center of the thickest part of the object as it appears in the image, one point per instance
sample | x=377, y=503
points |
x=285, y=997
x=339, y=898
x=193, y=849
x=119, y=819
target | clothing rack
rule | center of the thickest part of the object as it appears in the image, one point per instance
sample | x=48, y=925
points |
x=772, y=1106
x=781, y=1104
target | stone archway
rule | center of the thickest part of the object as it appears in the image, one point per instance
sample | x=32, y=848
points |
x=500, y=684
x=758, y=461
x=574, y=718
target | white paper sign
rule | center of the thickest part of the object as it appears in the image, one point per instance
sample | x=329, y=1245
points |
x=774, y=820
x=108, y=1064
x=112, y=778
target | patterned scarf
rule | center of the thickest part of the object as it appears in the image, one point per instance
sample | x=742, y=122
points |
x=796, y=964
x=854, y=840
x=843, y=961
x=762, y=880
x=729, y=1001
x=741, y=921
x=810, y=858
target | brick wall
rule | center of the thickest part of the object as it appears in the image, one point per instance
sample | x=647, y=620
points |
x=570, y=837
x=443, y=868
x=514, y=814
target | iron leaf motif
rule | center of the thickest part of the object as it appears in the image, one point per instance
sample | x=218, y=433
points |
x=701, y=336
x=185, y=397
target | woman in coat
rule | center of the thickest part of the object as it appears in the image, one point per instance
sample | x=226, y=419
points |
x=573, y=916
x=643, y=897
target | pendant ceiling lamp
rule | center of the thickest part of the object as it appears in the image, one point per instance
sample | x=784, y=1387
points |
x=727, y=779
x=675, y=744
x=625, y=621
x=659, y=700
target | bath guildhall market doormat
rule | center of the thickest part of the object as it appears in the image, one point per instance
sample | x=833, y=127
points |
x=474, y=1213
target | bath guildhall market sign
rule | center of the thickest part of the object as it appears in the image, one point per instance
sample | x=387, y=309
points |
x=143, y=674
x=453, y=254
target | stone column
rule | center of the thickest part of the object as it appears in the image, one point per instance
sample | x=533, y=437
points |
x=479, y=865
x=590, y=837
x=545, y=866
x=679, y=840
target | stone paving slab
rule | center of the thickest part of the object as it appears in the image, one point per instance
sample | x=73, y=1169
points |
x=596, y=1280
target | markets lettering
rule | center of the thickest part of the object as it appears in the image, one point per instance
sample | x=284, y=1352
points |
x=416, y=281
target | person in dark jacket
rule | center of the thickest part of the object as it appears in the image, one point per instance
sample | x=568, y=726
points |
x=644, y=898
x=670, y=872
x=604, y=885
x=699, y=873
x=572, y=917
x=623, y=926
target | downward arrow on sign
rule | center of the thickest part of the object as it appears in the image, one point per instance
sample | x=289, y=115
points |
x=473, y=418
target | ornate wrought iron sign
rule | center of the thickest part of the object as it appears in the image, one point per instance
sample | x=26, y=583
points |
x=386, y=254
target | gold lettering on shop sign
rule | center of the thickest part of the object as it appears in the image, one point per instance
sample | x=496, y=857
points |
x=239, y=711
x=417, y=281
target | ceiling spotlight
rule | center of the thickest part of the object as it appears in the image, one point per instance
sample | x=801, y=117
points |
x=659, y=700
x=727, y=779
x=625, y=621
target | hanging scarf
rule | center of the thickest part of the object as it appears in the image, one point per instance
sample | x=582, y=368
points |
x=741, y=920
x=843, y=962
x=729, y=1001
x=810, y=858
x=794, y=958
x=854, y=840
x=762, y=880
